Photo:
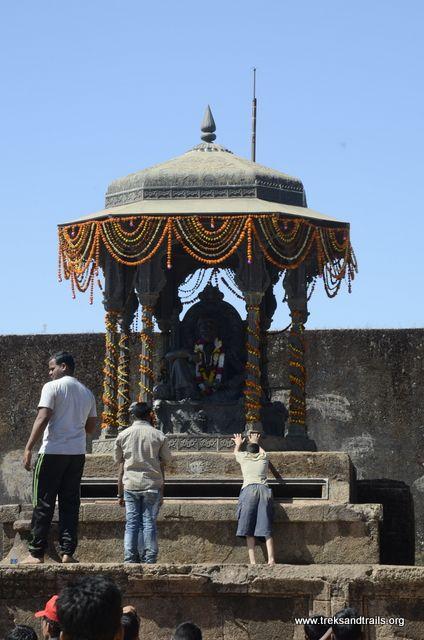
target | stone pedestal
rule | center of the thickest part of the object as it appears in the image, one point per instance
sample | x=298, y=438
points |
x=234, y=601
x=197, y=522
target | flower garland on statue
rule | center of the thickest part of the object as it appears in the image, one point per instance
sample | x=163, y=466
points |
x=209, y=374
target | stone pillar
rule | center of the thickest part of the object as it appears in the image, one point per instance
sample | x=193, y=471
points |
x=109, y=415
x=123, y=391
x=295, y=285
x=253, y=390
x=146, y=379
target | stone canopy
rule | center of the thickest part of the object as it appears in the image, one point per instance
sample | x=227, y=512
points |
x=206, y=208
x=207, y=171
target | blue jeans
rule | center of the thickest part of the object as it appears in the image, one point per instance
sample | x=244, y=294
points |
x=140, y=541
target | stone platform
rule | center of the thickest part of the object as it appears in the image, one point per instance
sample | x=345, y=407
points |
x=334, y=468
x=192, y=531
x=236, y=602
x=194, y=528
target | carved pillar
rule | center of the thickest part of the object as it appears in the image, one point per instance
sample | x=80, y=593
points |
x=295, y=285
x=253, y=280
x=123, y=391
x=253, y=390
x=297, y=376
x=120, y=303
x=109, y=415
x=149, y=282
x=146, y=379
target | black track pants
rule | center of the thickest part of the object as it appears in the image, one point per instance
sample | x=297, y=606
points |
x=56, y=476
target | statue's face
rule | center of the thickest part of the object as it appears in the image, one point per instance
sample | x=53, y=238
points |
x=207, y=329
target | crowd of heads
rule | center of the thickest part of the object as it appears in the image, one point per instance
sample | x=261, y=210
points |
x=91, y=609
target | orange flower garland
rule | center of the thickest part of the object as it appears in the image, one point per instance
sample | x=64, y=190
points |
x=210, y=240
x=297, y=371
x=109, y=373
x=146, y=356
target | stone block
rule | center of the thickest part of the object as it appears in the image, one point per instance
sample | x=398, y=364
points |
x=233, y=601
x=9, y=512
x=208, y=465
x=192, y=531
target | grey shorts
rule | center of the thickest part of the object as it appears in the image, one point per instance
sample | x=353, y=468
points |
x=255, y=511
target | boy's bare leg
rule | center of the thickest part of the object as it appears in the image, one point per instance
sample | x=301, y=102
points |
x=250, y=541
x=270, y=550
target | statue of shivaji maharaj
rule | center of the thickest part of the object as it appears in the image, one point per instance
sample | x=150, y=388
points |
x=209, y=367
x=209, y=371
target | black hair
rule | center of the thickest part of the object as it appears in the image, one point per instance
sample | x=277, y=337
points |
x=90, y=608
x=347, y=630
x=54, y=627
x=187, y=631
x=131, y=625
x=140, y=410
x=252, y=447
x=315, y=630
x=21, y=632
x=63, y=357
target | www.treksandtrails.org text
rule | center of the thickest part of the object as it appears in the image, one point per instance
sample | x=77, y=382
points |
x=374, y=620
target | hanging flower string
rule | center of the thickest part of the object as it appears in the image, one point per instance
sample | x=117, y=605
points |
x=109, y=373
x=133, y=240
x=297, y=371
x=253, y=391
x=123, y=390
x=146, y=355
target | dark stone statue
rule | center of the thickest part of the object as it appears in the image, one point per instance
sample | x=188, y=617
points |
x=210, y=364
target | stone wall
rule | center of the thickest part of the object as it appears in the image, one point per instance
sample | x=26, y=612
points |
x=365, y=397
x=234, y=601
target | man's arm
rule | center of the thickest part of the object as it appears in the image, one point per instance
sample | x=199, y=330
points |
x=40, y=423
x=90, y=425
x=162, y=468
x=121, y=484
x=165, y=457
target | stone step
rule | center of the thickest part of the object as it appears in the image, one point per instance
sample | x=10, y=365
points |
x=236, y=602
x=333, y=467
x=192, y=531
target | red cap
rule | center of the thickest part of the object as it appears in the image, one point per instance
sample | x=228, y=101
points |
x=49, y=610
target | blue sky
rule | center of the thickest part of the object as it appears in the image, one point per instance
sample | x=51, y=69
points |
x=95, y=90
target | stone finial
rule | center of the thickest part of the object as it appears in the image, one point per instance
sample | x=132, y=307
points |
x=208, y=126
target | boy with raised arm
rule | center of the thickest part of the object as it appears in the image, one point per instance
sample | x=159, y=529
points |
x=255, y=506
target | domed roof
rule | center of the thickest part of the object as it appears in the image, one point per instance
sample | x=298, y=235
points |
x=206, y=171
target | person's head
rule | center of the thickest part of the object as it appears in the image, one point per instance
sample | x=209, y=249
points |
x=21, y=632
x=130, y=624
x=315, y=630
x=50, y=627
x=61, y=364
x=90, y=608
x=252, y=447
x=187, y=631
x=343, y=626
x=207, y=329
x=141, y=411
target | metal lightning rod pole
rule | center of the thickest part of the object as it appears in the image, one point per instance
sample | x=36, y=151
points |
x=254, y=117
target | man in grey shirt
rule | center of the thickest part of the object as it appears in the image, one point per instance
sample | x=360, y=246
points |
x=142, y=453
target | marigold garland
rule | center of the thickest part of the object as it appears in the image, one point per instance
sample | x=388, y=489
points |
x=252, y=390
x=297, y=371
x=123, y=390
x=109, y=373
x=210, y=240
x=146, y=355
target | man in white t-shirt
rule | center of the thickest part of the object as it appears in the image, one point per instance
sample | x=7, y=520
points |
x=66, y=413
